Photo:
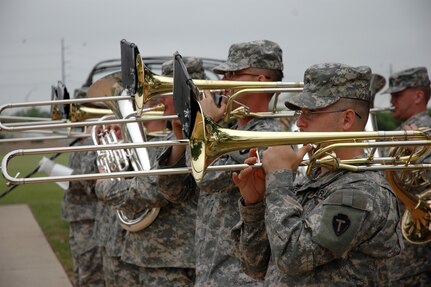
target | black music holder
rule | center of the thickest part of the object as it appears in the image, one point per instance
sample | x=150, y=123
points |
x=185, y=96
x=58, y=93
x=129, y=71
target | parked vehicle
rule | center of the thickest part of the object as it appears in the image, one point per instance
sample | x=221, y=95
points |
x=106, y=67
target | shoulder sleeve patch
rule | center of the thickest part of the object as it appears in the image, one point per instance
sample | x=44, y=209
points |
x=342, y=215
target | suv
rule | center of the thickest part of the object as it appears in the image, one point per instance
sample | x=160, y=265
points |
x=106, y=67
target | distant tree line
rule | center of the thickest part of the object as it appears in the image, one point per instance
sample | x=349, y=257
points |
x=385, y=121
x=34, y=112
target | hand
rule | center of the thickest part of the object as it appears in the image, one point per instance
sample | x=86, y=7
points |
x=209, y=107
x=251, y=181
x=177, y=129
x=177, y=151
x=283, y=158
x=101, y=169
x=117, y=130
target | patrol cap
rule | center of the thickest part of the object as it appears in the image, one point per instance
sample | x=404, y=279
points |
x=262, y=54
x=194, y=66
x=377, y=83
x=410, y=78
x=325, y=84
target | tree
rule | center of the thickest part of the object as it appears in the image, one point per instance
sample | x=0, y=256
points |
x=385, y=121
x=34, y=112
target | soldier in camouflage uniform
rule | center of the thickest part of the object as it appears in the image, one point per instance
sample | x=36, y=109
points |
x=335, y=227
x=410, y=92
x=217, y=263
x=164, y=251
x=79, y=209
x=108, y=232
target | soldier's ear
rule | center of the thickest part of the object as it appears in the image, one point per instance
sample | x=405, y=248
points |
x=349, y=118
x=419, y=96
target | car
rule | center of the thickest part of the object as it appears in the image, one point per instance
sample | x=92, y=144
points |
x=106, y=67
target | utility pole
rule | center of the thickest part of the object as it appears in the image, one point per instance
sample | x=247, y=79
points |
x=63, y=63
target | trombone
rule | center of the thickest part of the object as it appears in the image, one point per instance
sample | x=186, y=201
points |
x=63, y=123
x=154, y=86
x=209, y=141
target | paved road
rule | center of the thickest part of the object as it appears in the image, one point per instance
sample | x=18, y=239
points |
x=26, y=258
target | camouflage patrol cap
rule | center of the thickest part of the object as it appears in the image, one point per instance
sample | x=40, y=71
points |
x=410, y=78
x=377, y=83
x=325, y=84
x=262, y=54
x=194, y=66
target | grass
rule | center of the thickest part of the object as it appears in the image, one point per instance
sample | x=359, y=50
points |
x=44, y=200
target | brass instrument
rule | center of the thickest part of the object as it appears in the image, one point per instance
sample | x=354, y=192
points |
x=120, y=160
x=89, y=112
x=413, y=188
x=243, y=111
x=100, y=93
x=209, y=141
x=145, y=85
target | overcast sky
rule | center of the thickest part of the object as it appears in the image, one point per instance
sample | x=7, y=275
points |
x=387, y=35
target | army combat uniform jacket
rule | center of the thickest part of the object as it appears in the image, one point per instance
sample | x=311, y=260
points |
x=169, y=241
x=217, y=263
x=337, y=229
x=80, y=201
x=79, y=209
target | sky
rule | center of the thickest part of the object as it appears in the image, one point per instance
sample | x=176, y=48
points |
x=387, y=35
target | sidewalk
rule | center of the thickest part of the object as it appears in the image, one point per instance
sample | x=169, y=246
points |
x=26, y=259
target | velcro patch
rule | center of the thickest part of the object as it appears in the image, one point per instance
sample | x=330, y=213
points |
x=340, y=223
x=343, y=213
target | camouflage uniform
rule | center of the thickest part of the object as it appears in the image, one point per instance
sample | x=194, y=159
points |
x=300, y=227
x=79, y=209
x=111, y=238
x=412, y=267
x=338, y=228
x=217, y=262
x=105, y=219
x=164, y=251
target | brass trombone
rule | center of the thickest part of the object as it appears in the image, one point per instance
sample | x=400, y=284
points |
x=64, y=124
x=154, y=86
x=209, y=141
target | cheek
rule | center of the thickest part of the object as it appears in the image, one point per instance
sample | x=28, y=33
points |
x=330, y=124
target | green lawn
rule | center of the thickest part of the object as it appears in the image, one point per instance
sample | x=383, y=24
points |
x=45, y=203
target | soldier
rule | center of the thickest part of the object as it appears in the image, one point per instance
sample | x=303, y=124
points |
x=410, y=93
x=217, y=263
x=164, y=251
x=111, y=238
x=79, y=209
x=335, y=227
